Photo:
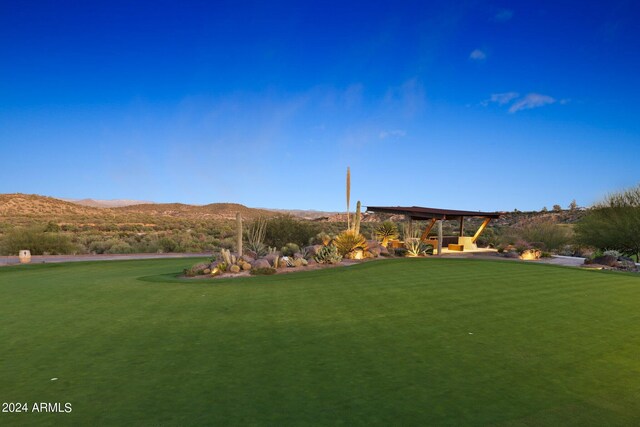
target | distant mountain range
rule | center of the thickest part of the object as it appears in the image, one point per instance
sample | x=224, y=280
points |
x=26, y=208
x=23, y=209
x=118, y=203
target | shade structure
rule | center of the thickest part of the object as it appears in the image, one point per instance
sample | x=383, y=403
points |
x=435, y=214
x=421, y=213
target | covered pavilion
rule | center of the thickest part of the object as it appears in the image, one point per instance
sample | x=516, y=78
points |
x=437, y=216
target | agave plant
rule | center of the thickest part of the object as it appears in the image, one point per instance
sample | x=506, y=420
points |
x=348, y=242
x=415, y=247
x=386, y=231
x=413, y=243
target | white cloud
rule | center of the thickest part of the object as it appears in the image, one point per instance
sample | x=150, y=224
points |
x=500, y=98
x=532, y=100
x=503, y=15
x=409, y=97
x=478, y=55
x=390, y=133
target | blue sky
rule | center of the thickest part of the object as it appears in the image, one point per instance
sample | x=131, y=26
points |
x=480, y=105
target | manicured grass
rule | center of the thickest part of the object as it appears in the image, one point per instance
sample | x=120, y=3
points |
x=394, y=342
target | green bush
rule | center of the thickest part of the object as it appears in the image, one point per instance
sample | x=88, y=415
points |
x=286, y=229
x=613, y=224
x=553, y=236
x=38, y=241
x=289, y=249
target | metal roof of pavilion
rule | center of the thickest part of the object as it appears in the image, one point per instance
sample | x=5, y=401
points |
x=419, y=212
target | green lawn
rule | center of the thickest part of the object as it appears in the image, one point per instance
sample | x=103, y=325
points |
x=395, y=342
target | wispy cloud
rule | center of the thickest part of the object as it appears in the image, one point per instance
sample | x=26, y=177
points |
x=409, y=97
x=503, y=15
x=478, y=55
x=500, y=98
x=391, y=133
x=532, y=100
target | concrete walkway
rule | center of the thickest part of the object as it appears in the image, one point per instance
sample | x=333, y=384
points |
x=41, y=259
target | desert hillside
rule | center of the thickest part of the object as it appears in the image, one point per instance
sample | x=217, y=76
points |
x=107, y=203
x=24, y=209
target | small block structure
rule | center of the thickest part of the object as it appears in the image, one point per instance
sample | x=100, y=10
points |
x=467, y=242
x=25, y=256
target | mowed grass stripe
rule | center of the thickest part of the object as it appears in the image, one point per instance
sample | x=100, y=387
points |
x=428, y=341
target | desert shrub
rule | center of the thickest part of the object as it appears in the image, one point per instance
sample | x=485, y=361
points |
x=348, y=242
x=120, y=248
x=262, y=271
x=321, y=238
x=167, y=244
x=490, y=238
x=328, y=255
x=37, y=241
x=289, y=249
x=386, y=231
x=286, y=229
x=613, y=223
x=612, y=252
x=553, y=236
x=400, y=251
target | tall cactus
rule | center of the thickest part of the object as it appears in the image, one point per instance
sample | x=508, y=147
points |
x=356, y=225
x=239, y=233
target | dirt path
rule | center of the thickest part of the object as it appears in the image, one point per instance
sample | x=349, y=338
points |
x=40, y=259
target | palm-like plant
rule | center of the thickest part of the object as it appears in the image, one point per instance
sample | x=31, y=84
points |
x=386, y=231
x=348, y=242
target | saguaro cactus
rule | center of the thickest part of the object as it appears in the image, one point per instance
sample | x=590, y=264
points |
x=239, y=234
x=356, y=225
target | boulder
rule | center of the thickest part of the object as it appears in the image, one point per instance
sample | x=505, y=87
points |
x=206, y=271
x=383, y=250
x=530, y=254
x=248, y=258
x=261, y=263
x=246, y=266
x=299, y=262
x=271, y=258
x=375, y=251
x=234, y=269
x=608, y=260
x=511, y=254
x=627, y=264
